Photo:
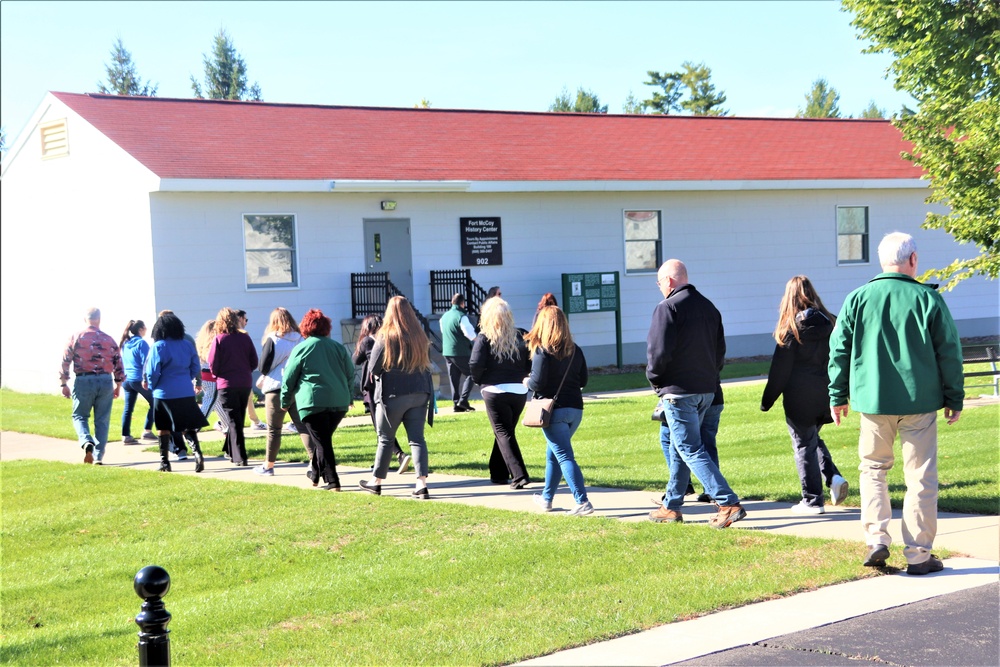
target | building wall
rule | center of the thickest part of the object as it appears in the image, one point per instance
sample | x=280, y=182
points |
x=75, y=234
x=740, y=248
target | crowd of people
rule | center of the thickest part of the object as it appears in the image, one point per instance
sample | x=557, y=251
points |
x=894, y=351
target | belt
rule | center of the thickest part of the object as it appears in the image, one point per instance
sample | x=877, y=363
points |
x=95, y=373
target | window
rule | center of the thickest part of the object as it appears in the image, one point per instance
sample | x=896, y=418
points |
x=643, y=247
x=269, y=241
x=852, y=235
x=55, y=139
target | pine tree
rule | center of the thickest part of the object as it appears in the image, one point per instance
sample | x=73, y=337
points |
x=821, y=101
x=123, y=79
x=702, y=99
x=225, y=74
x=633, y=106
x=669, y=99
x=872, y=111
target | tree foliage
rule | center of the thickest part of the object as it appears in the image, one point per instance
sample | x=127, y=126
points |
x=694, y=81
x=946, y=56
x=633, y=105
x=585, y=102
x=225, y=74
x=872, y=111
x=821, y=101
x=123, y=79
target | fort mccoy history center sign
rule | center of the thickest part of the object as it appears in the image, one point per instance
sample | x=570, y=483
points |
x=482, y=243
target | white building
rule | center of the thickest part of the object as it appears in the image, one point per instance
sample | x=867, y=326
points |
x=139, y=204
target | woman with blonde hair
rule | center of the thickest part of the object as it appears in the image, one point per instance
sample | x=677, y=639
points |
x=203, y=343
x=559, y=371
x=400, y=364
x=799, y=372
x=317, y=382
x=499, y=364
x=280, y=337
x=232, y=358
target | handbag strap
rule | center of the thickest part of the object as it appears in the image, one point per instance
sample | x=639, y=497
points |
x=568, y=366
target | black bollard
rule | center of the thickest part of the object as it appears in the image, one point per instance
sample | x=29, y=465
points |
x=151, y=584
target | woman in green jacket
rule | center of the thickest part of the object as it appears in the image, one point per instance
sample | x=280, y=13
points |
x=317, y=379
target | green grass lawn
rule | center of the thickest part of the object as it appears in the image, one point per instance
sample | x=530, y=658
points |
x=270, y=575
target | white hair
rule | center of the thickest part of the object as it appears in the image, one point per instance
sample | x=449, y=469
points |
x=93, y=314
x=895, y=249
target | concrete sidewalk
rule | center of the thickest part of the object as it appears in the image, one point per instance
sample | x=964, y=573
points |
x=742, y=634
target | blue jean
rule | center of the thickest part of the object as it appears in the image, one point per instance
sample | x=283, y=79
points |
x=709, y=433
x=133, y=389
x=93, y=393
x=688, y=453
x=559, y=459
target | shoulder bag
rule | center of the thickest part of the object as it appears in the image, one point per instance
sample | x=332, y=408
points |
x=538, y=411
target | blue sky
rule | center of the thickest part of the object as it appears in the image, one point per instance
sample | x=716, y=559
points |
x=479, y=55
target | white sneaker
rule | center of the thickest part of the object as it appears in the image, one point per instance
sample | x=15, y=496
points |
x=290, y=427
x=838, y=490
x=582, y=509
x=546, y=505
x=259, y=426
x=802, y=508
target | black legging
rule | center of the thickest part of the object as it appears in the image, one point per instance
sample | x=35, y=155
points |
x=233, y=401
x=504, y=411
x=320, y=427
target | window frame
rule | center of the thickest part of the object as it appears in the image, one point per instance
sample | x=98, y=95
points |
x=867, y=235
x=659, y=241
x=271, y=287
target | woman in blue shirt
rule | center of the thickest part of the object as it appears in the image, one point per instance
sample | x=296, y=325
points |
x=134, y=351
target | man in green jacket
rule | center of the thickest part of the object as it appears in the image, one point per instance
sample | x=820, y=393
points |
x=895, y=354
x=457, y=334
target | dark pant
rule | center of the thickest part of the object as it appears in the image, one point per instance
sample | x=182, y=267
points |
x=133, y=390
x=233, y=402
x=457, y=367
x=322, y=461
x=504, y=411
x=813, y=461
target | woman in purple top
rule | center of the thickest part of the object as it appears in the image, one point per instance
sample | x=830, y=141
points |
x=232, y=360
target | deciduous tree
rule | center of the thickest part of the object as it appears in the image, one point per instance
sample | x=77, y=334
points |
x=585, y=102
x=947, y=53
x=123, y=79
x=225, y=74
x=821, y=101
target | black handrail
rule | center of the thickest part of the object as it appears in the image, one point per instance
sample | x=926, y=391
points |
x=446, y=283
x=370, y=294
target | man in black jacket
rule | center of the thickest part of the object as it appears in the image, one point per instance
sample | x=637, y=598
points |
x=685, y=351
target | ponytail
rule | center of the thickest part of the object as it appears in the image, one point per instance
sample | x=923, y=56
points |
x=131, y=329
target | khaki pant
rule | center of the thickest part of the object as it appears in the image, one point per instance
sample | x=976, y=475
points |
x=918, y=439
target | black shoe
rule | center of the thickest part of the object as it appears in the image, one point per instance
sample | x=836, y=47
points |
x=466, y=407
x=520, y=484
x=877, y=556
x=199, y=461
x=705, y=498
x=462, y=408
x=332, y=486
x=932, y=564
x=499, y=481
x=377, y=489
x=421, y=494
x=690, y=490
x=165, y=466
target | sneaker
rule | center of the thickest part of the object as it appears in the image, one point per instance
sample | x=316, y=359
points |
x=583, y=509
x=290, y=427
x=149, y=435
x=374, y=489
x=88, y=454
x=421, y=494
x=878, y=554
x=404, y=463
x=727, y=516
x=663, y=515
x=219, y=426
x=838, y=490
x=542, y=502
x=802, y=508
x=932, y=564
x=259, y=426
x=264, y=470
x=129, y=440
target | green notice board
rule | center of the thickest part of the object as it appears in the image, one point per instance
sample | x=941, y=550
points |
x=594, y=293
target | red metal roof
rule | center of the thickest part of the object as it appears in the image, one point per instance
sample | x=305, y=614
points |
x=208, y=139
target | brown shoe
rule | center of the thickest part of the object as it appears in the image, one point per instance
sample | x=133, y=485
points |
x=663, y=515
x=728, y=515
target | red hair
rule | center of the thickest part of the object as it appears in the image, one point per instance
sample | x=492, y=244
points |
x=315, y=323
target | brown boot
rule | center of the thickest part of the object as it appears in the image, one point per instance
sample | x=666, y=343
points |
x=728, y=515
x=663, y=515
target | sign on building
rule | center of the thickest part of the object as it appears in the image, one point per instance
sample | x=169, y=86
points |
x=482, y=242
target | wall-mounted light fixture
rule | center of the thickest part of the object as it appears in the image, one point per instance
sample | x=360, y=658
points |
x=388, y=205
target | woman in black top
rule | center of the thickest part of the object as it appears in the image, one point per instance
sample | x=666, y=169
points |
x=559, y=371
x=499, y=364
x=799, y=371
x=362, y=353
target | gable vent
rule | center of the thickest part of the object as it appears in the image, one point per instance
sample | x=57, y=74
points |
x=55, y=139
